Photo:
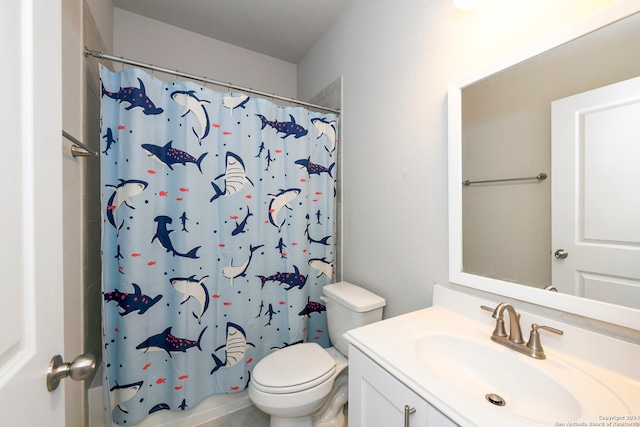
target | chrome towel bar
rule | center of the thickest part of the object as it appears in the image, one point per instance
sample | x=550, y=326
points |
x=540, y=177
x=79, y=149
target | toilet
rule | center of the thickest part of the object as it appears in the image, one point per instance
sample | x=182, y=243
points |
x=305, y=385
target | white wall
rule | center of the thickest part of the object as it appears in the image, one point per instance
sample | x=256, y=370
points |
x=147, y=40
x=396, y=61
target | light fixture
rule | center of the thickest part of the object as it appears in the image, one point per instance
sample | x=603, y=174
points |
x=467, y=4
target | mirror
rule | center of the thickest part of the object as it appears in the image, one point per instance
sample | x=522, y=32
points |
x=500, y=128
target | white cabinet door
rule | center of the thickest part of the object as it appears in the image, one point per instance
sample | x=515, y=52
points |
x=378, y=399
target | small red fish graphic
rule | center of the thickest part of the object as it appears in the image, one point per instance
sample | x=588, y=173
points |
x=294, y=243
x=215, y=125
x=221, y=245
x=151, y=172
x=161, y=380
x=215, y=296
x=315, y=200
x=233, y=217
x=117, y=330
x=178, y=387
x=179, y=199
x=111, y=207
x=184, y=190
x=183, y=377
x=163, y=193
x=145, y=367
x=248, y=196
x=120, y=267
x=316, y=338
x=226, y=133
x=227, y=303
x=250, y=360
x=282, y=303
x=319, y=331
x=150, y=263
x=235, y=388
x=278, y=151
x=304, y=251
x=121, y=127
x=303, y=180
x=135, y=254
x=284, y=254
x=318, y=193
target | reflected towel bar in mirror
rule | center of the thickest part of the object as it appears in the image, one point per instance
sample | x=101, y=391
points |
x=540, y=177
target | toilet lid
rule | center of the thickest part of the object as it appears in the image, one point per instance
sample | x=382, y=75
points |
x=292, y=369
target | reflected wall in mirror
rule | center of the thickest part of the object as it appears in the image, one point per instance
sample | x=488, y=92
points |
x=500, y=127
x=506, y=132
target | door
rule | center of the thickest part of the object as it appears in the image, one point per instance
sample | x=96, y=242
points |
x=31, y=215
x=596, y=194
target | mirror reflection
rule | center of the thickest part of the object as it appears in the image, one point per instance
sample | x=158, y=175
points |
x=507, y=133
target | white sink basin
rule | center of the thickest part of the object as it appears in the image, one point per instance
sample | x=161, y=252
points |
x=544, y=391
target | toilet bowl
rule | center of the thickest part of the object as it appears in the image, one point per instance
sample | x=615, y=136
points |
x=305, y=385
x=292, y=385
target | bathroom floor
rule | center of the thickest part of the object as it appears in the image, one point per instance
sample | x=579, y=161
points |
x=248, y=417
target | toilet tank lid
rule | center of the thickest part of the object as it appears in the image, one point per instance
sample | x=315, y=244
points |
x=353, y=297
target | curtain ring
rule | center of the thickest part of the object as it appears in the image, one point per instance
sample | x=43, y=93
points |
x=204, y=79
x=122, y=63
x=176, y=75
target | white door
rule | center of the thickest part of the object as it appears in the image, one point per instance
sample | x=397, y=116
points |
x=31, y=215
x=596, y=193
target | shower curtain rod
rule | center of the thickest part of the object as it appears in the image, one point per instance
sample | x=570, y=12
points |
x=102, y=55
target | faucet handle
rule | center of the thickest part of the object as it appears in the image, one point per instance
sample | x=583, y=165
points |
x=534, y=345
x=547, y=328
x=485, y=308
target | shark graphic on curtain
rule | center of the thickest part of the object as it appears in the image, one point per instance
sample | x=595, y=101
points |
x=218, y=235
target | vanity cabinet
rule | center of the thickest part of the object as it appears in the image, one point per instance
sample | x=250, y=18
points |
x=378, y=399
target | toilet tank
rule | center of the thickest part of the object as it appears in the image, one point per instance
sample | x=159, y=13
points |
x=348, y=307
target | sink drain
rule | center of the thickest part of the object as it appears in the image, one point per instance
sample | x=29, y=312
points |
x=494, y=399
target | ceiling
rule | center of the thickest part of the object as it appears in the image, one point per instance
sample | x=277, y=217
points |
x=283, y=29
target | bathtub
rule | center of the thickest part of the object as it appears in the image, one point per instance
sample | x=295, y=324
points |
x=208, y=409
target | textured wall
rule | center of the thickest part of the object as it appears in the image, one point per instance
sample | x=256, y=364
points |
x=148, y=40
x=396, y=61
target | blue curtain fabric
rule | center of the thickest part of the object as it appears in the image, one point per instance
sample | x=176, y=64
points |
x=218, y=235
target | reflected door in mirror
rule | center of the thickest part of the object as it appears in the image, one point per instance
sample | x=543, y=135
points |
x=596, y=193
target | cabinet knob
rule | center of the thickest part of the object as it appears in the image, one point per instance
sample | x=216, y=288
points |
x=408, y=411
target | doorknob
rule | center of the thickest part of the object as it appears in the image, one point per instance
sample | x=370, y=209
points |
x=561, y=254
x=81, y=367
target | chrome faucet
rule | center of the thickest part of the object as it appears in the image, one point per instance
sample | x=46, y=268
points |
x=514, y=340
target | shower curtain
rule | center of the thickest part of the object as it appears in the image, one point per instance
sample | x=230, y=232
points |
x=218, y=235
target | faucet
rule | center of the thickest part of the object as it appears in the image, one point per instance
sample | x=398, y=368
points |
x=514, y=340
x=515, y=333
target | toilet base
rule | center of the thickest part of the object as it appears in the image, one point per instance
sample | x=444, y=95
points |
x=330, y=414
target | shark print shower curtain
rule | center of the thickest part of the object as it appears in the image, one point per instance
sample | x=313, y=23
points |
x=218, y=235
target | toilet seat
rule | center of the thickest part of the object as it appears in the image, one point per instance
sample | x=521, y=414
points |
x=293, y=369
